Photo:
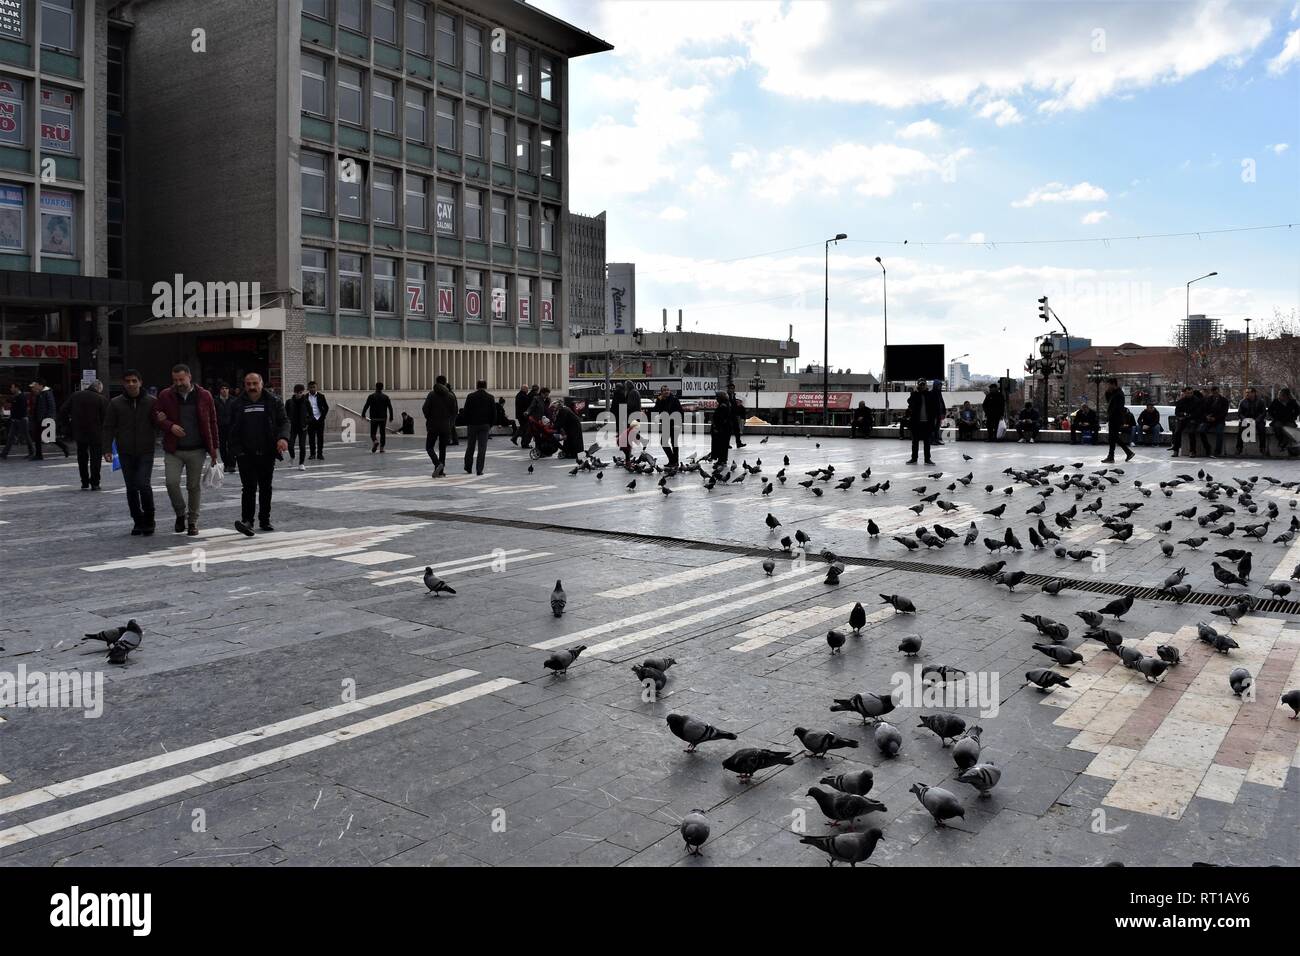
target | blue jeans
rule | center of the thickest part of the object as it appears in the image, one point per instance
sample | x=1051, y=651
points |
x=137, y=472
x=1215, y=428
x=1150, y=436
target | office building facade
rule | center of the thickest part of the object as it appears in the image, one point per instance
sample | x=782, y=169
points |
x=584, y=271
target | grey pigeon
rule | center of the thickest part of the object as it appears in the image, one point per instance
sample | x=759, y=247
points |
x=868, y=706
x=1091, y=618
x=1206, y=633
x=1152, y=667
x=560, y=660
x=128, y=641
x=1059, y=653
x=850, y=848
x=750, y=760
x=855, y=781
x=944, y=726
x=1180, y=592
x=983, y=777
x=1233, y=612
x=1131, y=656
x=1045, y=679
x=435, y=584
x=659, y=663
x=835, y=640
x=899, y=603
x=1112, y=639
x=695, y=731
x=694, y=830
x=111, y=635
x=1175, y=578
x=650, y=674
x=1240, y=680
x=838, y=806
x=910, y=645
x=1169, y=654
x=558, y=599
x=1222, y=643
x=941, y=804
x=1054, y=586
x=1278, y=589
x=769, y=566
x=966, y=748
x=818, y=742
x=1009, y=578
x=887, y=739
x=1292, y=699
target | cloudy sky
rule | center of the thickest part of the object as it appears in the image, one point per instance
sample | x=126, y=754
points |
x=727, y=140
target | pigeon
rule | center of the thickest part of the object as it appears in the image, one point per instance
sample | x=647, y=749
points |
x=1152, y=667
x=1118, y=607
x=1129, y=655
x=1059, y=653
x=1225, y=577
x=944, y=726
x=857, y=618
x=1292, y=699
x=750, y=760
x=772, y=522
x=1169, y=654
x=983, y=777
x=966, y=749
x=1194, y=543
x=941, y=672
x=910, y=645
x=818, y=742
x=1278, y=589
x=1045, y=679
x=1233, y=612
x=435, y=584
x=659, y=663
x=1079, y=554
x=112, y=635
x=558, y=600
x=1047, y=627
x=561, y=660
x=991, y=568
x=1240, y=680
x=869, y=706
x=835, y=640
x=900, y=604
x=802, y=537
x=873, y=529
x=971, y=535
x=940, y=803
x=859, y=782
x=650, y=674
x=1164, y=526
x=1091, y=618
x=631, y=485
x=769, y=566
x=1112, y=639
x=1175, y=578
x=838, y=806
x=851, y=848
x=1055, y=586
x=1226, y=531
x=695, y=731
x=694, y=829
x=127, y=639
x=1010, y=578
x=909, y=543
x=833, y=573
x=1223, y=644
x=997, y=512
x=1205, y=633
x=785, y=543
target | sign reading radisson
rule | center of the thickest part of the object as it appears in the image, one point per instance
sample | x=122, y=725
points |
x=620, y=298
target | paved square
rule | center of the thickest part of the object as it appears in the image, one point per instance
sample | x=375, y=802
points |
x=299, y=697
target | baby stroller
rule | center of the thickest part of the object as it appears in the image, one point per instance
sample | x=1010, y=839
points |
x=546, y=440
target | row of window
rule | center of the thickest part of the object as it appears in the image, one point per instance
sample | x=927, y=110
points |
x=386, y=185
x=482, y=48
x=484, y=134
x=58, y=116
x=454, y=300
x=58, y=23
x=58, y=220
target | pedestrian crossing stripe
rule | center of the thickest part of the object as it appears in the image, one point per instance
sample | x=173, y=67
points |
x=496, y=562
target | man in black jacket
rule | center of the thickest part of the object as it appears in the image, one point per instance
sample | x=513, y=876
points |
x=317, y=408
x=85, y=412
x=1213, y=415
x=439, y=415
x=1283, y=411
x=299, y=414
x=1116, y=426
x=1185, y=411
x=523, y=399
x=568, y=423
x=668, y=419
x=1252, y=409
x=994, y=406
x=860, y=427
x=378, y=409
x=922, y=410
x=128, y=425
x=1084, y=423
x=480, y=414
x=259, y=435
x=223, y=400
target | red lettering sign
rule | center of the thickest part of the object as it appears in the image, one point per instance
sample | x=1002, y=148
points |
x=446, y=301
x=472, y=304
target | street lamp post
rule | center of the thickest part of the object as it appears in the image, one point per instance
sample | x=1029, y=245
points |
x=1245, y=375
x=884, y=301
x=757, y=383
x=1187, y=321
x=1096, y=376
x=826, y=333
x=1047, y=363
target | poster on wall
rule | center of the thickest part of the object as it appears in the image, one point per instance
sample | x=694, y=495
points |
x=11, y=18
x=620, y=298
x=12, y=99
x=11, y=218
x=57, y=121
x=56, y=224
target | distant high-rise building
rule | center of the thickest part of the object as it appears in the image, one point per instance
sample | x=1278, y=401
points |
x=1199, y=332
x=585, y=270
x=1071, y=344
x=958, y=375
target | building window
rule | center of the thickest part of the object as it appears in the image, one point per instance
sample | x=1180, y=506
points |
x=315, y=279
x=313, y=182
x=473, y=132
x=58, y=230
x=550, y=218
x=351, y=95
x=384, y=285
x=547, y=149
x=500, y=139
x=13, y=217
x=523, y=69
x=473, y=50
x=445, y=200
x=473, y=214
x=383, y=17
x=383, y=197
x=446, y=293
x=313, y=85
x=58, y=25
x=416, y=114
x=348, y=200
x=416, y=202
x=417, y=289
x=548, y=78
x=523, y=224
x=549, y=293
x=417, y=27
x=500, y=218
x=473, y=295
x=320, y=9
x=58, y=118
x=500, y=295
x=500, y=67
x=525, y=301
x=13, y=99
x=383, y=105
x=352, y=15
x=446, y=122
x=446, y=39
x=351, y=283
x=524, y=147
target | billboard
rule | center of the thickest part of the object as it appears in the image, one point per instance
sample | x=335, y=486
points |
x=620, y=298
x=812, y=401
x=910, y=362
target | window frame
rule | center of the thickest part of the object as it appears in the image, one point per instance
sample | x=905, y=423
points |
x=390, y=5
x=438, y=196
x=359, y=275
x=438, y=122
x=439, y=18
x=475, y=288
x=379, y=280
x=304, y=170
x=438, y=275
x=360, y=93
x=546, y=77
x=422, y=31
x=422, y=108
x=505, y=219
x=340, y=6
x=383, y=180
x=420, y=281
x=477, y=219
x=60, y=8
x=468, y=29
x=323, y=271
x=524, y=81
x=423, y=193
x=323, y=76
x=477, y=113
x=505, y=287
x=524, y=220
x=505, y=140
x=388, y=101
x=361, y=187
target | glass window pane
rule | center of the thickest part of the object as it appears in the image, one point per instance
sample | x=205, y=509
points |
x=473, y=214
x=417, y=27
x=384, y=20
x=350, y=95
x=313, y=85
x=473, y=50
x=547, y=74
x=350, y=184
x=500, y=218
x=352, y=15
x=416, y=202
x=446, y=123
x=446, y=50
x=523, y=69
x=313, y=182
x=383, y=198
x=384, y=105
x=499, y=139
x=416, y=115
x=473, y=132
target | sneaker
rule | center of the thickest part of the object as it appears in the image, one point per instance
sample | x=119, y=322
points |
x=440, y=472
x=1129, y=456
x=192, y=531
x=302, y=467
x=264, y=526
x=911, y=461
x=374, y=447
x=244, y=528
x=468, y=470
x=929, y=462
x=180, y=525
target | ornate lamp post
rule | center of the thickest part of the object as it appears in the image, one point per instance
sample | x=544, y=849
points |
x=1047, y=363
x=1097, y=376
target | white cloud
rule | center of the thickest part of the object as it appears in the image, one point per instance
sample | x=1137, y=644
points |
x=1279, y=148
x=705, y=182
x=673, y=214
x=921, y=129
x=1094, y=217
x=1001, y=112
x=977, y=237
x=869, y=170
x=1057, y=192
x=1288, y=57
x=743, y=158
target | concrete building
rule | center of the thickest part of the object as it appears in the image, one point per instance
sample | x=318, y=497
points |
x=584, y=272
x=391, y=174
x=958, y=375
x=63, y=286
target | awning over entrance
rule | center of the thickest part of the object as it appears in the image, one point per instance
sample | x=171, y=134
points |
x=267, y=320
x=47, y=289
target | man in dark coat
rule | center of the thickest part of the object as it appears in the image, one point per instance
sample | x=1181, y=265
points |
x=1283, y=411
x=1187, y=413
x=259, y=436
x=994, y=406
x=737, y=413
x=668, y=418
x=568, y=424
x=299, y=414
x=860, y=427
x=523, y=399
x=378, y=410
x=318, y=407
x=1252, y=409
x=922, y=410
x=223, y=400
x=1117, y=426
x=480, y=414
x=85, y=411
x=720, y=428
x=439, y=413
x=44, y=413
x=129, y=426
x=1213, y=416
x=1084, y=423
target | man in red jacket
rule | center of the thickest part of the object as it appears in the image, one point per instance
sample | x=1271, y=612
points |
x=187, y=417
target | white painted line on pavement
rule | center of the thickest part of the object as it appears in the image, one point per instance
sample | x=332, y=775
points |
x=681, y=577
x=505, y=563
x=379, y=575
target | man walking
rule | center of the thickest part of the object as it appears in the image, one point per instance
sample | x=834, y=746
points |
x=299, y=415
x=187, y=417
x=129, y=425
x=258, y=436
x=17, y=421
x=43, y=412
x=994, y=406
x=455, y=412
x=222, y=401
x=737, y=413
x=480, y=414
x=439, y=412
x=378, y=409
x=85, y=412
x=318, y=407
x=668, y=416
x=1252, y=409
x=1213, y=415
x=1116, y=429
x=922, y=411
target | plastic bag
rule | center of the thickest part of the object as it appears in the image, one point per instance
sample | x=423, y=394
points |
x=212, y=477
x=1002, y=428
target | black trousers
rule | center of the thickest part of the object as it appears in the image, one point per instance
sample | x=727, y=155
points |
x=435, y=443
x=670, y=451
x=476, y=439
x=223, y=446
x=921, y=435
x=89, y=459
x=1117, y=434
x=378, y=433
x=255, y=474
x=137, y=472
x=298, y=439
x=316, y=437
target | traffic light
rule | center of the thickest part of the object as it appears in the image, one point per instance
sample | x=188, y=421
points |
x=1042, y=309
x=1060, y=395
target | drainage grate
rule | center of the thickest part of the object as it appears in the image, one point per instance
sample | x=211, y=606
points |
x=1107, y=588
